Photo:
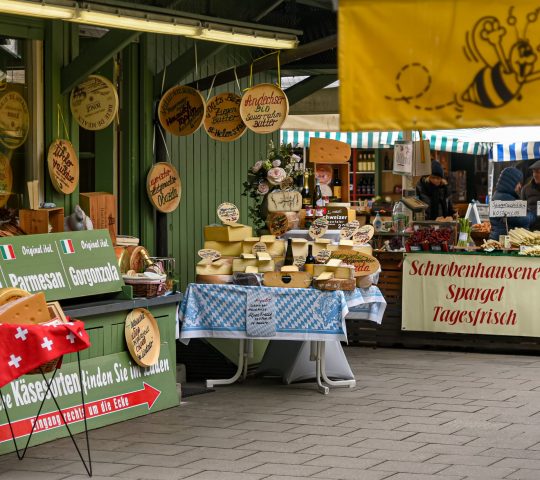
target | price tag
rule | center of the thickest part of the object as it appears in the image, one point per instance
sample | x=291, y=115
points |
x=228, y=213
x=318, y=228
x=299, y=261
x=323, y=256
x=209, y=255
x=349, y=229
x=508, y=208
x=259, y=247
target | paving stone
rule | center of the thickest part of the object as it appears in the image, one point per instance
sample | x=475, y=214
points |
x=156, y=473
x=404, y=445
x=283, y=447
x=351, y=473
x=224, y=465
x=413, y=456
x=294, y=470
x=154, y=448
x=263, y=426
x=476, y=471
x=343, y=462
x=214, y=475
x=511, y=453
x=318, y=430
x=27, y=474
x=524, y=474
x=464, y=460
x=418, y=476
x=444, y=439
x=382, y=434
x=337, y=451
x=409, y=467
x=256, y=435
x=437, y=448
x=325, y=440
x=216, y=442
x=98, y=468
x=525, y=463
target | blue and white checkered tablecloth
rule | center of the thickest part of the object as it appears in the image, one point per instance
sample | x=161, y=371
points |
x=366, y=304
x=219, y=311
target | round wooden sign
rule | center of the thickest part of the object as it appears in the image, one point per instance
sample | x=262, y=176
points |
x=14, y=120
x=63, y=166
x=278, y=223
x=6, y=179
x=94, y=103
x=164, y=187
x=209, y=254
x=364, y=234
x=181, y=110
x=259, y=247
x=142, y=337
x=323, y=256
x=363, y=263
x=318, y=228
x=223, y=121
x=264, y=108
x=349, y=229
x=228, y=213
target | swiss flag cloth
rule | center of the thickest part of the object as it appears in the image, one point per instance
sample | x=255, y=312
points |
x=24, y=348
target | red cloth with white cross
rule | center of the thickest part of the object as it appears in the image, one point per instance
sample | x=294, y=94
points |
x=24, y=348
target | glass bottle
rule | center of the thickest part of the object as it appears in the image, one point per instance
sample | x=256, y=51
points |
x=336, y=186
x=310, y=260
x=289, y=257
x=306, y=194
x=399, y=217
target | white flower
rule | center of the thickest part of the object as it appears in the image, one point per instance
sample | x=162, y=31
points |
x=295, y=158
x=276, y=163
x=276, y=175
x=258, y=165
x=263, y=188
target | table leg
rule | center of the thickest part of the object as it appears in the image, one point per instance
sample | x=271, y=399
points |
x=332, y=383
x=241, y=361
x=318, y=369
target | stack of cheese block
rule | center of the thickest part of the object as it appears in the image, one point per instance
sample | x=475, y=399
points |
x=350, y=245
x=259, y=262
x=334, y=275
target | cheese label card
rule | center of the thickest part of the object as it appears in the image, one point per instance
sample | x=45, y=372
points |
x=349, y=229
x=259, y=247
x=63, y=166
x=222, y=121
x=264, y=108
x=209, y=255
x=278, y=224
x=181, y=110
x=318, y=228
x=298, y=261
x=94, y=103
x=14, y=120
x=228, y=213
x=323, y=256
x=363, y=264
x=163, y=187
x=364, y=234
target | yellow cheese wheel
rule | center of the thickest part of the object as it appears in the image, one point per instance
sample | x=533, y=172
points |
x=9, y=294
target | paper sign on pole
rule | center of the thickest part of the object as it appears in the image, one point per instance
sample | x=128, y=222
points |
x=508, y=208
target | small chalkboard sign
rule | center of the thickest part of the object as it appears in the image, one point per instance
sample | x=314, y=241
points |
x=508, y=208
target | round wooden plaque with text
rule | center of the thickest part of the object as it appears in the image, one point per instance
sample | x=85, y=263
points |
x=63, y=166
x=264, y=108
x=228, y=213
x=6, y=179
x=14, y=120
x=181, y=110
x=142, y=337
x=94, y=103
x=164, y=187
x=223, y=121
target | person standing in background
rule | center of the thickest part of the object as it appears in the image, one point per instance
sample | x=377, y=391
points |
x=531, y=193
x=434, y=190
x=508, y=188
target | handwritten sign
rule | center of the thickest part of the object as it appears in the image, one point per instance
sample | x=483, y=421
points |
x=94, y=103
x=181, y=110
x=14, y=120
x=142, y=337
x=6, y=179
x=508, y=208
x=264, y=108
x=364, y=234
x=209, y=254
x=278, y=224
x=323, y=256
x=259, y=247
x=228, y=213
x=164, y=187
x=318, y=228
x=281, y=201
x=63, y=166
x=403, y=156
x=223, y=121
x=363, y=264
x=349, y=229
x=260, y=309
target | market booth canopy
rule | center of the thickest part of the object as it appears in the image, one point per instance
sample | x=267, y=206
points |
x=432, y=64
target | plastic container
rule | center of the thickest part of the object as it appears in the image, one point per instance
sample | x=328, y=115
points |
x=400, y=217
x=377, y=223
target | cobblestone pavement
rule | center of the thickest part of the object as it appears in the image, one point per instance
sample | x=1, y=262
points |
x=415, y=415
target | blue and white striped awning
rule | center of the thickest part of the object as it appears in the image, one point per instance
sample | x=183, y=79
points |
x=438, y=141
x=514, y=151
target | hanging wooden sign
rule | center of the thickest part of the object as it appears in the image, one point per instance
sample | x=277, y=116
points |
x=181, y=110
x=94, y=103
x=63, y=166
x=228, y=213
x=142, y=337
x=349, y=229
x=364, y=234
x=14, y=120
x=164, y=187
x=264, y=108
x=318, y=228
x=6, y=179
x=223, y=121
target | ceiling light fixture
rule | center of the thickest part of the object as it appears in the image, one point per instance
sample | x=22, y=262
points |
x=129, y=19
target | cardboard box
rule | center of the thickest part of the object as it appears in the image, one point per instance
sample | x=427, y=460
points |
x=101, y=208
x=227, y=233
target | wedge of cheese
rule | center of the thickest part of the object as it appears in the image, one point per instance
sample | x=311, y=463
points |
x=342, y=272
x=219, y=267
x=232, y=249
x=26, y=310
x=227, y=233
x=300, y=247
x=320, y=244
x=356, y=248
x=9, y=294
x=240, y=265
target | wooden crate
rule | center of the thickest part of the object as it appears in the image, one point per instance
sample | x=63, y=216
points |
x=38, y=221
x=101, y=208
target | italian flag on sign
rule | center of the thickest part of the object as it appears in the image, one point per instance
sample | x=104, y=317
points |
x=67, y=246
x=7, y=252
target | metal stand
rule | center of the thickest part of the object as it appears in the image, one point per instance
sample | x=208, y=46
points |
x=244, y=349
x=332, y=383
x=20, y=456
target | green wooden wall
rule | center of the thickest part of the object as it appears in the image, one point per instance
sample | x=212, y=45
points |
x=211, y=172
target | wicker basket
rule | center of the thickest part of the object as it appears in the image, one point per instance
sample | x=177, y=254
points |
x=46, y=367
x=148, y=288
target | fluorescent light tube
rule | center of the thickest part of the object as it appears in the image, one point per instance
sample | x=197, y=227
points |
x=126, y=22
x=34, y=9
x=252, y=40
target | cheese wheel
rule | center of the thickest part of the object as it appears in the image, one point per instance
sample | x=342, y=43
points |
x=215, y=279
x=26, y=310
x=9, y=294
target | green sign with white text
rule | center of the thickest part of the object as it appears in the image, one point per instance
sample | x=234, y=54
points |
x=62, y=265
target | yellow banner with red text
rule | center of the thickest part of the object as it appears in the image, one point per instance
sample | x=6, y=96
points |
x=477, y=294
